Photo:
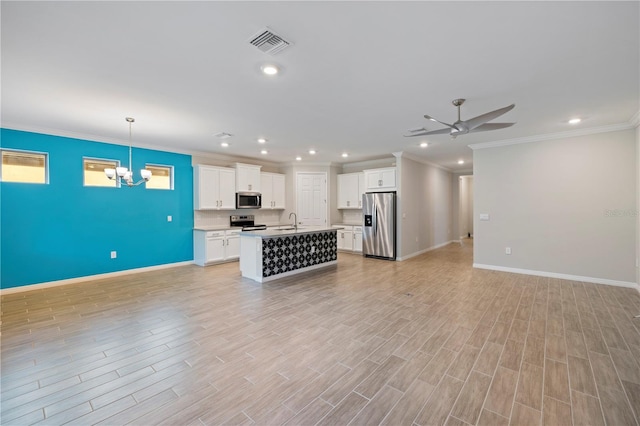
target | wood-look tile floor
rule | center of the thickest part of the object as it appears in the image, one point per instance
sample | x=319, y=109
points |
x=426, y=341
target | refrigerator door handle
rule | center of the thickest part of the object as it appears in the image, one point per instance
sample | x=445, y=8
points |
x=374, y=210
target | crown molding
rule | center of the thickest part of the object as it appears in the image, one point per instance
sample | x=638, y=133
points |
x=415, y=158
x=371, y=163
x=116, y=141
x=554, y=136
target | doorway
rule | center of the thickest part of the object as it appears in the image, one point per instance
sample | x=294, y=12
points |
x=465, y=216
x=311, y=199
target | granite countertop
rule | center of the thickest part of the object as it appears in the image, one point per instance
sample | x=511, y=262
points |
x=227, y=227
x=279, y=232
x=347, y=224
x=213, y=228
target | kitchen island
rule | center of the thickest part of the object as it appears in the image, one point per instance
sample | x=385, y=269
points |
x=275, y=253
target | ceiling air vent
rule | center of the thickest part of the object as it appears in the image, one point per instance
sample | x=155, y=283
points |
x=223, y=135
x=269, y=42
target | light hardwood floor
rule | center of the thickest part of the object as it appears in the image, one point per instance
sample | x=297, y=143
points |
x=426, y=341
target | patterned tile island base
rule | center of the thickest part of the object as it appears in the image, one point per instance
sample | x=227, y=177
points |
x=268, y=255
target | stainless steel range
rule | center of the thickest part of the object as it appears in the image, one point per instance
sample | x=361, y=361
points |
x=246, y=221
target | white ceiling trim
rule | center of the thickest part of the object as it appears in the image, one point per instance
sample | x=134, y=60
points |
x=554, y=136
x=403, y=154
x=116, y=141
x=635, y=120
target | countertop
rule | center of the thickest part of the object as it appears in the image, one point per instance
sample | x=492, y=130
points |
x=279, y=232
x=227, y=227
x=272, y=227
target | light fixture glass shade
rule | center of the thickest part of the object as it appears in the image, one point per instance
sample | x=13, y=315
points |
x=146, y=174
x=111, y=173
x=121, y=171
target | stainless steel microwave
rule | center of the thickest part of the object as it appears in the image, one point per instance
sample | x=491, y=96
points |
x=248, y=200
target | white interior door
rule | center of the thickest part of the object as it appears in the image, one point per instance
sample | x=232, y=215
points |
x=311, y=195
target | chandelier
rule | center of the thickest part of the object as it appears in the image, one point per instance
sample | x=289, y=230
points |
x=124, y=175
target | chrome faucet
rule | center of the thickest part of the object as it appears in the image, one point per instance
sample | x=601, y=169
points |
x=295, y=220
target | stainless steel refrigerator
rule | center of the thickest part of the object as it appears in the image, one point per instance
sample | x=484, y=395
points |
x=379, y=228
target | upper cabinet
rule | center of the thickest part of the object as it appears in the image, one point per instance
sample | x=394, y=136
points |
x=272, y=186
x=351, y=186
x=380, y=179
x=247, y=178
x=213, y=188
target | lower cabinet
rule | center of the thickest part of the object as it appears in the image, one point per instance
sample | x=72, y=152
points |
x=357, y=239
x=211, y=247
x=349, y=238
x=345, y=240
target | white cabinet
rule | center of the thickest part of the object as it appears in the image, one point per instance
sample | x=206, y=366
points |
x=232, y=245
x=215, y=246
x=349, y=238
x=381, y=179
x=345, y=240
x=247, y=178
x=351, y=186
x=272, y=186
x=357, y=239
x=213, y=188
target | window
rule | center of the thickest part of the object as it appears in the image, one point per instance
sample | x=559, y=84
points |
x=93, y=171
x=161, y=177
x=24, y=166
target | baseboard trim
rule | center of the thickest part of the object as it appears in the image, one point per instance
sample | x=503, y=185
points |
x=39, y=286
x=628, y=284
x=418, y=253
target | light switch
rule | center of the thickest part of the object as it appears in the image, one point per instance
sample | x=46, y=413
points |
x=484, y=216
x=169, y=218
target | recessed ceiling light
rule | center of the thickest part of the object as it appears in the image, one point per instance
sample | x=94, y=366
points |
x=298, y=158
x=262, y=140
x=424, y=145
x=345, y=155
x=312, y=151
x=264, y=151
x=224, y=144
x=575, y=121
x=270, y=69
x=460, y=161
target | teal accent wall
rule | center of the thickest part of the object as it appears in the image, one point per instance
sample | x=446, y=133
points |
x=64, y=230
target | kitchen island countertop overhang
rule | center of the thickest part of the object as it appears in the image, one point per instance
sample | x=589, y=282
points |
x=275, y=253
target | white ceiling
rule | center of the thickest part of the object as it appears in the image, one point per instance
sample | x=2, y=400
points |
x=359, y=75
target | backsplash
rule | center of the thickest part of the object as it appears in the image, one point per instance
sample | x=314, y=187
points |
x=352, y=216
x=211, y=218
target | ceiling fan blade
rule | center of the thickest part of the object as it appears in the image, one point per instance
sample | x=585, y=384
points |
x=426, y=132
x=428, y=117
x=481, y=119
x=491, y=126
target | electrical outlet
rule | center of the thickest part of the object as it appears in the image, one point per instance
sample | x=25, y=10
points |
x=114, y=254
x=507, y=250
x=169, y=218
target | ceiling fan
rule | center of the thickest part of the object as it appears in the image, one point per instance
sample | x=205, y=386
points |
x=460, y=127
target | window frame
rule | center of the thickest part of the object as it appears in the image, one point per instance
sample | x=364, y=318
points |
x=171, y=176
x=84, y=185
x=26, y=151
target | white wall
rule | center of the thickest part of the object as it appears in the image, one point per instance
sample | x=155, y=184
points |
x=566, y=207
x=637, y=204
x=425, y=200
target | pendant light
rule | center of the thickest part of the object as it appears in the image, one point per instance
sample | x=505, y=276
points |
x=125, y=175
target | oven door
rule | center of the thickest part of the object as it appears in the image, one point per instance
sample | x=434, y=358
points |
x=248, y=200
